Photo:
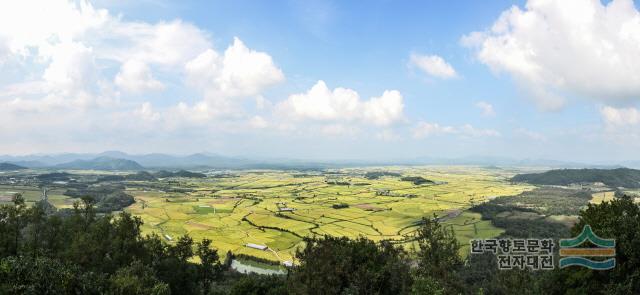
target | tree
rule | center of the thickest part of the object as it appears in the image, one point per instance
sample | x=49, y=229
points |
x=43, y=275
x=259, y=285
x=137, y=279
x=332, y=265
x=210, y=268
x=437, y=255
x=175, y=269
x=618, y=219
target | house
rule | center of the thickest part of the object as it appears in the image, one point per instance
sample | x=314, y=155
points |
x=256, y=246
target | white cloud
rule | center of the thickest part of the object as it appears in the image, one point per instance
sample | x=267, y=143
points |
x=617, y=117
x=146, y=113
x=72, y=67
x=75, y=57
x=342, y=104
x=262, y=103
x=426, y=129
x=258, y=122
x=486, y=108
x=77, y=45
x=555, y=48
x=31, y=24
x=136, y=77
x=239, y=72
x=433, y=65
x=168, y=44
x=339, y=130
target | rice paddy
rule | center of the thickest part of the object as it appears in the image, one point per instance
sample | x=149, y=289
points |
x=278, y=208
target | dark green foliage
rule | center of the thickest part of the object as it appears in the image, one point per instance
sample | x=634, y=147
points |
x=340, y=206
x=342, y=266
x=209, y=269
x=550, y=200
x=417, y=180
x=520, y=222
x=525, y=215
x=137, y=279
x=621, y=177
x=180, y=173
x=378, y=174
x=107, y=198
x=259, y=285
x=337, y=182
x=86, y=253
x=139, y=176
x=55, y=176
x=438, y=260
x=619, y=220
x=44, y=275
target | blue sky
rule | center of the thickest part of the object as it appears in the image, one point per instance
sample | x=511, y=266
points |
x=400, y=79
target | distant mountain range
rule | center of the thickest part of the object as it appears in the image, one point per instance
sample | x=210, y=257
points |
x=10, y=167
x=116, y=160
x=101, y=163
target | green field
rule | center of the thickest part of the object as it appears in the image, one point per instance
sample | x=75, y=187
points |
x=253, y=206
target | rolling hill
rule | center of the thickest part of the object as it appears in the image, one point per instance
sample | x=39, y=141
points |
x=101, y=163
x=620, y=177
x=10, y=167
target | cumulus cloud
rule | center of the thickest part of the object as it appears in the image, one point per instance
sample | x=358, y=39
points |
x=76, y=57
x=433, y=65
x=240, y=71
x=486, y=108
x=426, y=129
x=559, y=48
x=77, y=45
x=342, y=104
x=619, y=117
x=136, y=77
x=147, y=113
x=71, y=69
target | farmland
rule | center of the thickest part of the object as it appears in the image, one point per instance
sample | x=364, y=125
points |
x=279, y=208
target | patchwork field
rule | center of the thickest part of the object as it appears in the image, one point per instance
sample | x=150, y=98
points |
x=277, y=208
x=600, y=197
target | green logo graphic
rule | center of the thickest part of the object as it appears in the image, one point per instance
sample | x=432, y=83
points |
x=573, y=255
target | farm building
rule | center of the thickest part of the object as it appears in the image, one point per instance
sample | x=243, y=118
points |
x=286, y=209
x=168, y=238
x=287, y=263
x=256, y=246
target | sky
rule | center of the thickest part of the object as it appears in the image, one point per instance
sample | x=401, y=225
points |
x=315, y=79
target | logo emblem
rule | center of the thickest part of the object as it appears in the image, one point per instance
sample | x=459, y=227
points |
x=573, y=255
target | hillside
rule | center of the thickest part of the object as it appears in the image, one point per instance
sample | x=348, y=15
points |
x=101, y=163
x=621, y=177
x=10, y=167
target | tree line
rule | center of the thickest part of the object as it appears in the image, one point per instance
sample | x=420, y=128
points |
x=89, y=253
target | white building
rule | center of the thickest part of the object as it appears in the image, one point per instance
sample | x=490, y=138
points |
x=256, y=246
